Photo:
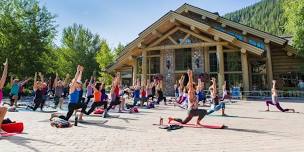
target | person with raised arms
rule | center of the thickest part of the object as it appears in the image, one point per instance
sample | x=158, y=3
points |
x=38, y=89
x=201, y=96
x=225, y=92
x=160, y=93
x=216, y=105
x=136, y=93
x=114, y=93
x=3, y=110
x=74, y=91
x=98, y=98
x=193, y=109
x=89, y=93
x=275, y=101
x=58, y=95
x=15, y=84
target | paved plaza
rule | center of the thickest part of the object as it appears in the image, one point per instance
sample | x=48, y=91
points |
x=249, y=129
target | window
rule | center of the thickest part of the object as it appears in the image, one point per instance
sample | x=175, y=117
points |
x=291, y=79
x=239, y=37
x=220, y=28
x=183, y=59
x=187, y=41
x=259, y=77
x=234, y=79
x=258, y=44
x=153, y=65
x=232, y=61
x=213, y=62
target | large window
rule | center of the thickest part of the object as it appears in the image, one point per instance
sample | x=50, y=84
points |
x=256, y=43
x=258, y=77
x=183, y=59
x=291, y=79
x=234, y=79
x=153, y=65
x=233, y=69
x=232, y=61
x=213, y=62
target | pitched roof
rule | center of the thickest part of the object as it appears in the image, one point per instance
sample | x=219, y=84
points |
x=177, y=14
x=228, y=22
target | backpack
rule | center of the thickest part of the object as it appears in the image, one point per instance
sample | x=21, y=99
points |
x=60, y=123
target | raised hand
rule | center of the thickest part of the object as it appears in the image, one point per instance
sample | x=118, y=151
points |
x=189, y=73
x=6, y=62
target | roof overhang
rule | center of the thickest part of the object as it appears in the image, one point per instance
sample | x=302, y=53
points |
x=267, y=36
x=175, y=16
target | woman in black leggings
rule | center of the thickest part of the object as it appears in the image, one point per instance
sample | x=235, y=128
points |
x=98, y=99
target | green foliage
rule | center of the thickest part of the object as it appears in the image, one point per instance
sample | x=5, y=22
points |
x=80, y=46
x=294, y=12
x=118, y=50
x=266, y=15
x=104, y=58
x=26, y=34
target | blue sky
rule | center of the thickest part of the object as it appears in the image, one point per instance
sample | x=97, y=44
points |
x=122, y=20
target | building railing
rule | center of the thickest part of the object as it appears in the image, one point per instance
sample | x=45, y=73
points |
x=264, y=95
x=267, y=94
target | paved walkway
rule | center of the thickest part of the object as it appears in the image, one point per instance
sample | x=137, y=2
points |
x=250, y=129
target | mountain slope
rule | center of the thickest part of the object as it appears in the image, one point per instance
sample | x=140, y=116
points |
x=266, y=15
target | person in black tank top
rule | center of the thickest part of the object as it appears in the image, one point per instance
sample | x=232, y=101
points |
x=38, y=100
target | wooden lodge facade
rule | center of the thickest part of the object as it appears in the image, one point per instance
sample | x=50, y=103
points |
x=190, y=37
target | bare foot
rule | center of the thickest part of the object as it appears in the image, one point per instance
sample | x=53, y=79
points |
x=292, y=110
x=198, y=124
x=170, y=119
x=267, y=110
x=2, y=131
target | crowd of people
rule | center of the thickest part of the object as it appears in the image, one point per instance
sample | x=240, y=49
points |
x=85, y=98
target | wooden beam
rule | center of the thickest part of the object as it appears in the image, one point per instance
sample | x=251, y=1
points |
x=172, y=40
x=267, y=41
x=184, y=39
x=194, y=29
x=134, y=71
x=164, y=37
x=144, y=67
x=191, y=22
x=157, y=33
x=206, y=59
x=203, y=38
x=220, y=61
x=269, y=65
x=141, y=45
x=172, y=20
x=180, y=46
x=245, y=71
x=249, y=47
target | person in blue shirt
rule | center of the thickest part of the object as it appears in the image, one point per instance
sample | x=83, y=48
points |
x=16, y=84
x=75, y=88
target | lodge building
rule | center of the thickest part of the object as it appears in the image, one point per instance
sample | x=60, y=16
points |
x=211, y=45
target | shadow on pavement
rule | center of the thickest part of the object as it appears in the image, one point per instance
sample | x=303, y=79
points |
x=253, y=131
x=22, y=141
x=127, y=119
x=230, y=116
